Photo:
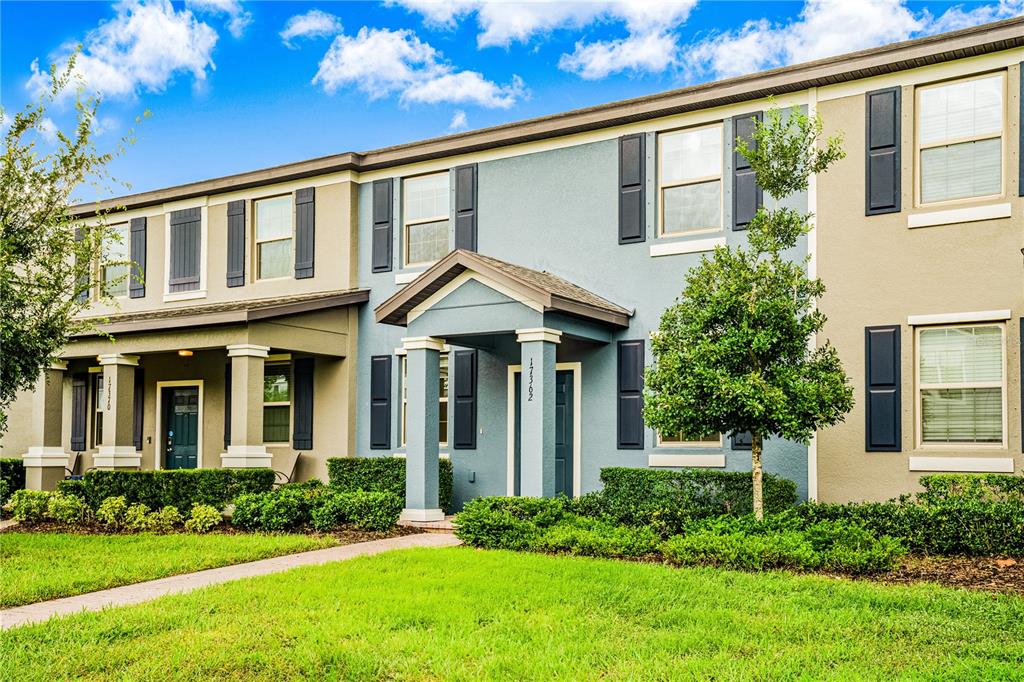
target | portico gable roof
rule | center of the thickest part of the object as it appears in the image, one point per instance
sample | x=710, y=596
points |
x=540, y=289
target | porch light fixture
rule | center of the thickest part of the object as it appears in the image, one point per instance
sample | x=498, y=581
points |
x=185, y=353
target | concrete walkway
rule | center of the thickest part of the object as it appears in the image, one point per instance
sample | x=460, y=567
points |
x=140, y=592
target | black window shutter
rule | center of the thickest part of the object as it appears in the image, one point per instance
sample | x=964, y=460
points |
x=380, y=402
x=227, y=404
x=305, y=232
x=882, y=152
x=138, y=403
x=747, y=196
x=464, y=396
x=882, y=362
x=137, y=285
x=465, y=207
x=632, y=206
x=186, y=238
x=302, y=403
x=382, y=225
x=236, y=243
x=742, y=441
x=79, y=410
x=631, y=396
x=83, y=281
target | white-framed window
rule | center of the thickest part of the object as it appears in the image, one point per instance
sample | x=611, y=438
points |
x=277, y=402
x=97, y=409
x=960, y=139
x=680, y=440
x=442, y=408
x=114, y=262
x=273, y=229
x=425, y=200
x=690, y=180
x=961, y=385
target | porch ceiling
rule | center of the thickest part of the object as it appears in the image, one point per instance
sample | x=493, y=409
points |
x=541, y=289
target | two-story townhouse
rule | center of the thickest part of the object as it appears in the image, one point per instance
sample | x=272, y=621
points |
x=512, y=277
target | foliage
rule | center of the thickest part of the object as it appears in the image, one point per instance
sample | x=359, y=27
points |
x=592, y=537
x=67, y=509
x=112, y=511
x=384, y=474
x=286, y=508
x=136, y=518
x=330, y=510
x=12, y=477
x=165, y=520
x=28, y=506
x=179, y=488
x=71, y=486
x=377, y=511
x=732, y=354
x=667, y=500
x=939, y=488
x=48, y=275
x=203, y=519
x=508, y=522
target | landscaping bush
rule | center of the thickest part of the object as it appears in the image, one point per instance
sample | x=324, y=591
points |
x=384, y=474
x=72, y=486
x=668, y=500
x=203, y=519
x=944, y=488
x=67, y=509
x=377, y=511
x=137, y=518
x=165, y=520
x=112, y=511
x=586, y=536
x=330, y=510
x=286, y=508
x=508, y=522
x=29, y=506
x=179, y=488
x=12, y=477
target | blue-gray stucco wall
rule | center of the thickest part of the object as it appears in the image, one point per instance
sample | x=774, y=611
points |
x=557, y=211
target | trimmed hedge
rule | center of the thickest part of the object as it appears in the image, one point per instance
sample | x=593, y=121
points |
x=12, y=477
x=295, y=505
x=181, y=488
x=385, y=475
x=668, y=500
x=939, y=488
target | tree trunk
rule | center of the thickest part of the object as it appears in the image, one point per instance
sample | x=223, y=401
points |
x=755, y=465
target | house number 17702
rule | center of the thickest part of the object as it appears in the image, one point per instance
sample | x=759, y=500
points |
x=529, y=385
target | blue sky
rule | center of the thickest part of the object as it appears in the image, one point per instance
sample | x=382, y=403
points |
x=235, y=86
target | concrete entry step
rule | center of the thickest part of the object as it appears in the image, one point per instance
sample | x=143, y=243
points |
x=445, y=526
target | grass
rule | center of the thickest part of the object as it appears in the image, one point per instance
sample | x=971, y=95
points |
x=39, y=566
x=464, y=614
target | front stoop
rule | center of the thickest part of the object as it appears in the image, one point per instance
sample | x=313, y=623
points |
x=447, y=525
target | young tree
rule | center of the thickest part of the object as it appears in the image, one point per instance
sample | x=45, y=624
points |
x=47, y=260
x=733, y=354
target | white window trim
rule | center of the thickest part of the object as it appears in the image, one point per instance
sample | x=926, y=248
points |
x=918, y=147
x=256, y=241
x=686, y=444
x=702, y=461
x=962, y=464
x=952, y=318
x=406, y=224
x=691, y=246
x=203, y=246
x=661, y=187
x=919, y=414
x=279, y=403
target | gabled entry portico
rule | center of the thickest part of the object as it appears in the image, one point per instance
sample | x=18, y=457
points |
x=523, y=318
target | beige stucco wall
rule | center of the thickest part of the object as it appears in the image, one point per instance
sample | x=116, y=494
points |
x=878, y=272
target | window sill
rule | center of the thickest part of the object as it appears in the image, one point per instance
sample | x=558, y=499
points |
x=406, y=277
x=955, y=216
x=442, y=455
x=687, y=246
x=1002, y=465
x=715, y=461
x=953, y=318
x=185, y=295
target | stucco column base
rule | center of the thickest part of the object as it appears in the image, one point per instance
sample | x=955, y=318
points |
x=117, y=457
x=421, y=515
x=246, y=457
x=44, y=466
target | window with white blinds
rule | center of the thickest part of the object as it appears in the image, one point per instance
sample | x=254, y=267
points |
x=961, y=377
x=960, y=139
x=690, y=180
x=425, y=215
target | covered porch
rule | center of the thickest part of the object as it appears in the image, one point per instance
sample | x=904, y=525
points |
x=535, y=324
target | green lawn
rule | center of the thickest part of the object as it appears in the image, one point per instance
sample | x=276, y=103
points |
x=39, y=566
x=465, y=614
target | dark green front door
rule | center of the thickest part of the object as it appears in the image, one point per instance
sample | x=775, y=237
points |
x=564, y=420
x=181, y=427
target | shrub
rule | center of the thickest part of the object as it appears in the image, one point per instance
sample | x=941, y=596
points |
x=384, y=474
x=12, y=477
x=592, y=537
x=179, y=488
x=329, y=511
x=285, y=508
x=943, y=488
x=668, y=500
x=71, y=486
x=507, y=522
x=741, y=550
x=165, y=520
x=112, y=510
x=203, y=519
x=377, y=511
x=67, y=509
x=137, y=518
x=593, y=504
x=247, y=513
x=29, y=506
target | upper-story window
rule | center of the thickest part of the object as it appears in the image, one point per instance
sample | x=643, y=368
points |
x=961, y=385
x=273, y=218
x=690, y=180
x=960, y=139
x=277, y=402
x=425, y=218
x=114, y=262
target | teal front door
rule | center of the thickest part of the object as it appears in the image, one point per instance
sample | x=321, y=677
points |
x=564, y=441
x=181, y=427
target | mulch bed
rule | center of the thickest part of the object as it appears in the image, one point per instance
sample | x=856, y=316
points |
x=992, y=574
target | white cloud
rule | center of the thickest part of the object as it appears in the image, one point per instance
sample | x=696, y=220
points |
x=651, y=52
x=238, y=18
x=825, y=28
x=142, y=48
x=382, y=62
x=459, y=122
x=313, y=24
x=47, y=130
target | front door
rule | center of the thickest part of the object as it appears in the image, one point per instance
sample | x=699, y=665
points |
x=564, y=420
x=181, y=427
